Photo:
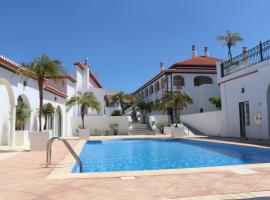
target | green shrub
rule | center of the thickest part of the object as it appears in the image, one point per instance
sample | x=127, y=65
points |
x=160, y=127
x=114, y=128
x=116, y=113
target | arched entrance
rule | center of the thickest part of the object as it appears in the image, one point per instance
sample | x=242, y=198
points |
x=7, y=113
x=58, y=122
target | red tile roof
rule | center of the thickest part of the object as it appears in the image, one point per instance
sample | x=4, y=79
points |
x=95, y=79
x=198, y=61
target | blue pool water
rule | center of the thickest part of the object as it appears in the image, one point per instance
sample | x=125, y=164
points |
x=153, y=154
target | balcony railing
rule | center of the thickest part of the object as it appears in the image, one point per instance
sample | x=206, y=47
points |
x=246, y=59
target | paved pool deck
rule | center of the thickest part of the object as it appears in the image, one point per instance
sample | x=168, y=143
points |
x=23, y=176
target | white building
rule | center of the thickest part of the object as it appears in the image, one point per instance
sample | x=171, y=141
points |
x=195, y=76
x=245, y=92
x=13, y=86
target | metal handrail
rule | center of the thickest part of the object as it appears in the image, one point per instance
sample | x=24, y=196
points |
x=49, y=151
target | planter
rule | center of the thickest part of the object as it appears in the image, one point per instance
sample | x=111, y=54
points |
x=21, y=138
x=83, y=134
x=38, y=140
x=167, y=130
x=178, y=131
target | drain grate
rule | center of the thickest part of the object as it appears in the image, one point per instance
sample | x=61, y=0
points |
x=244, y=171
x=127, y=178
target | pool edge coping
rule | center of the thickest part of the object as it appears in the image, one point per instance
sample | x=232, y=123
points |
x=62, y=170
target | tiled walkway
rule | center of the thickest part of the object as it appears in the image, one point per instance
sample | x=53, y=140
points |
x=23, y=176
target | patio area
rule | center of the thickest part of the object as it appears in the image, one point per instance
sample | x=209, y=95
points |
x=23, y=176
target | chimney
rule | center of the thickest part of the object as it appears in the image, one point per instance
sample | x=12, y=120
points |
x=194, y=52
x=161, y=67
x=206, y=52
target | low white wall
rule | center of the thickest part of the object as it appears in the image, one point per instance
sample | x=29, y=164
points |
x=154, y=119
x=209, y=123
x=98, y=125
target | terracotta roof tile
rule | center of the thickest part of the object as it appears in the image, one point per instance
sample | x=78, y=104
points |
x=196, y=61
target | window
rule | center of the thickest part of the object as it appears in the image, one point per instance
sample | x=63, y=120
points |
x=151, y=89
x=146, y=92
x=142, y=95
x=201, y=80
x=157, y=86
x=178, y=81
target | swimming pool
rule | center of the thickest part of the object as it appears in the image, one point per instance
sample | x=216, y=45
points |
x=155, y=154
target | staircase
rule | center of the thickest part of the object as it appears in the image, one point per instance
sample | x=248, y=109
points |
x=141, y=129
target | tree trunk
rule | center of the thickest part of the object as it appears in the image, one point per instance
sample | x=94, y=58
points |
x=230, y=52
x=40, y=87
x=45, y=124
x=82, y=114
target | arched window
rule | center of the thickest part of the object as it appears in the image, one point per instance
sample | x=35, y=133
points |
x=151, y=89
x=157, y=86
x=146, y=92
x=178, y=81
x=200, y=80
x=142, y=95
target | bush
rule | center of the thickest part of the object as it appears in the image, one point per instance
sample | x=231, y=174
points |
x=114, y=128
x=160, y=127
x=116, y=113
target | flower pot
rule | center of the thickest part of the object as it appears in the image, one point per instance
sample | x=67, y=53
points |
x=178, y=131
x=21, y=138
x=83, y=134
x=38, y=140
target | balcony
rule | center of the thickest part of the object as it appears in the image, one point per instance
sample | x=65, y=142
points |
x=248, y=58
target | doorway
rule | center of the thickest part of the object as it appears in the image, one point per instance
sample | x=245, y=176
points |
x=244, y=117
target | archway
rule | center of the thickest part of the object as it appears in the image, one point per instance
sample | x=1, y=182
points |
x=58, y=122
x=7, y=115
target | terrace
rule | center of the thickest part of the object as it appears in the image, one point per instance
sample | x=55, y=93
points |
x=246, y=59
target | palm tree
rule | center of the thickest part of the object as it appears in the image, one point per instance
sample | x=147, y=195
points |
x=23, y=113
x=48, y=111
x=85, y=100
x=176, y=101
x=124, y=100
x=230, y=40
x=42, y=68
x=145, y=108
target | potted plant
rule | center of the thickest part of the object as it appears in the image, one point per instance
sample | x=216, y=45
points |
x=114, y=128
x=23, y=113
x=41, y=69
x=84, y=100
x=160, y=127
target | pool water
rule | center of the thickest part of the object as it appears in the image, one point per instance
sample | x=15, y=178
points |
x=154, y=154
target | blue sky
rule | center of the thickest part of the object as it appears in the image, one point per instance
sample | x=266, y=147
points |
x=125, y=40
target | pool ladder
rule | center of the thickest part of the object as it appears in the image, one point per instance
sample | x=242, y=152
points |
x=70, y=149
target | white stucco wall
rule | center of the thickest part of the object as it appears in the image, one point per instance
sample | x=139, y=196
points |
x=154, y=119
x=209, y=123
x=255, y=81
x=100, y=124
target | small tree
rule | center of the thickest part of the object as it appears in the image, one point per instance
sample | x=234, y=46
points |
x=114, y=128
x=145, y=108
x=23, y=113
x=85, y=100
x=216, y=100
x=47, y=111
x=160, y=127
x=41, y=68
x=230, y=40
